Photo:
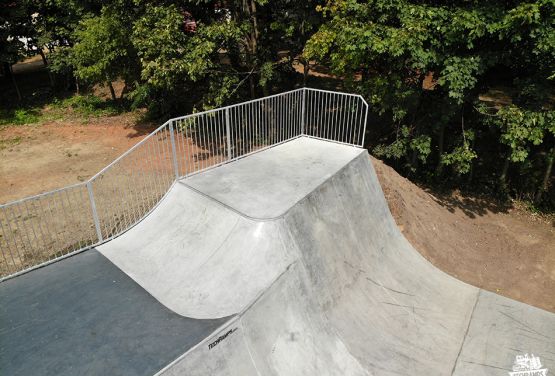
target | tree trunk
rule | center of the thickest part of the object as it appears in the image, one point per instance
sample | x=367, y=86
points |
x=77, y=88
x=112, y=91
x=504, y=171
x=306, y=70
x=265, y=91
x=471, y=172
x=252, y=87
x=414, y=161
x=14, y=82
x=546, y=176
x=45, y=62
x=124, y=90
x=441, y=140
x=249, y=8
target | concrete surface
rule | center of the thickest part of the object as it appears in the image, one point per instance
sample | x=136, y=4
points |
x=500, y=329
x=201, y=259
x=357, y=299
x=265, y=185
x=297, y=244
x=83, y=316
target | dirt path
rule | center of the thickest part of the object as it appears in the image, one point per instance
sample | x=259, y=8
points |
x=501, y=249
x=39, y=158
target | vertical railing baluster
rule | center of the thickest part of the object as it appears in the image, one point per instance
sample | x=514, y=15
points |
x=174, y=152
x=93, y=210
x=364, y=130
x=228, y=134
x=303, y=110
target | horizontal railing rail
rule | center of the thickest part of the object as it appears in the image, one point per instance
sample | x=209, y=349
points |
x=40, y=229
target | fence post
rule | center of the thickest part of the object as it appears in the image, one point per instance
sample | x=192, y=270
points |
x=303, y=110
x=365, y=121
x=228, y=133
x=94, y=212
x=172, y=139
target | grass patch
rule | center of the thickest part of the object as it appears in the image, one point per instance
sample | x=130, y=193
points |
x=19, y=116
x=87, y=106
x=77, y=106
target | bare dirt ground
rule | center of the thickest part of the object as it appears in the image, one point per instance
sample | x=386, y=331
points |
x=39, y=158
x=501, y=248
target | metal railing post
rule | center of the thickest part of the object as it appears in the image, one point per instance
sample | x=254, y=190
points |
x=303, y=110
x=228, y=133
x=94, y=212
x=364, y=130
x=174, y=152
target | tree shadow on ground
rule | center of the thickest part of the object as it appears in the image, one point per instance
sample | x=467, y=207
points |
x=143, y=125
x=472, y=206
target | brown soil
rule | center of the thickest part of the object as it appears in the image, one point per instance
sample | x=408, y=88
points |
x=43, y=157
x=501, y=248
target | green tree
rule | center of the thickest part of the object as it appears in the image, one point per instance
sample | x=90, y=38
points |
x=423, y=65
x=102, y=52
x=14, y=28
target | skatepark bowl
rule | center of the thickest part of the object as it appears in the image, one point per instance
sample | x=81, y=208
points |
x=247, y=240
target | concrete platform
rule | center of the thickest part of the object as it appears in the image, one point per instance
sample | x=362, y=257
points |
x=295, y=251
x=265, y=185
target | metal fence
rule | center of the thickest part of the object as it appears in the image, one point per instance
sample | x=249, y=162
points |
x=39, y=229
x=335, y=116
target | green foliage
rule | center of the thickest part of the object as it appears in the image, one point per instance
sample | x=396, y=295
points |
x=101, y=51
x=14, y=25
x=521, y=129
x=173, y=61
x=460, y=75
x=425, y=67
x=76, y=106
x=460, y=159
x=160, y=44
x=18, y=116
x=398, y=148
x=87, y=106
x=221, y=88
x=267, y=73
x=422, y=145
x=426, y=64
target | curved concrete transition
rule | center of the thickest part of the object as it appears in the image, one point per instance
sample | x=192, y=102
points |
x=297, y=245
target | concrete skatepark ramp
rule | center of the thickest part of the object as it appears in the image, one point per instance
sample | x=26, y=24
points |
x=317, y=276
x=285, y=262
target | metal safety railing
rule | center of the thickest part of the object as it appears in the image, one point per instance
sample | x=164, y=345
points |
x=40, y=229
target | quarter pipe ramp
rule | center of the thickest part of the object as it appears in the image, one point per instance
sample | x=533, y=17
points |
x=318, y=277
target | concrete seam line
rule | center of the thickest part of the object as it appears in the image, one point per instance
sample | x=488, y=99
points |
x=224, y=205
x=466, y=331
x=248, y=348
x=228, y=323
x=220, y=246
x=213, y=333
